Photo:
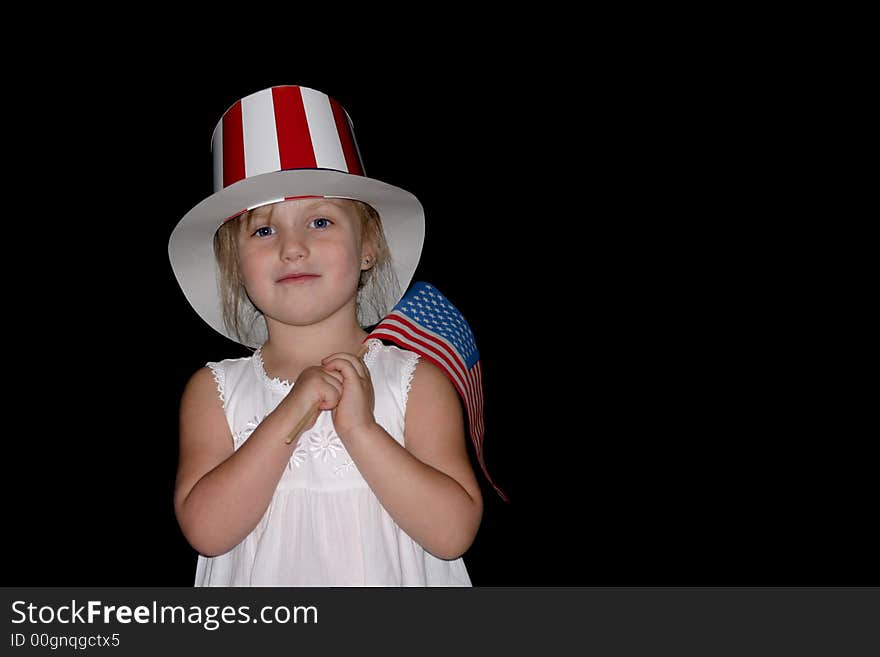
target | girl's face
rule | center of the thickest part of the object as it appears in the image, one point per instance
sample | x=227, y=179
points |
x=301, y=260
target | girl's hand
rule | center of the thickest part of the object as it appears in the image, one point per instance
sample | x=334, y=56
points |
x=354, y=410
x=315, y=385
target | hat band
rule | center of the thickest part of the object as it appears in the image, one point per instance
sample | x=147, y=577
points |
x=283, y=128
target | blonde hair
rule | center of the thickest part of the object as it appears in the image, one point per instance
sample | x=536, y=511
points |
x=375, y=285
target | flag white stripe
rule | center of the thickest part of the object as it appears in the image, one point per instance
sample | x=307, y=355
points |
x=260, y=138
x=217, y=149
x=322, y=128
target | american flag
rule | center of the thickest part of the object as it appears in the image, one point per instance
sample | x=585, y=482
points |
x=425, y=322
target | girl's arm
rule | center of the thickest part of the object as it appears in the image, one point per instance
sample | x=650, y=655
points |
x=428, y=487
x=221, y=494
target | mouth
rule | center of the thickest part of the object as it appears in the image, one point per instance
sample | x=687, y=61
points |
x=296, y=278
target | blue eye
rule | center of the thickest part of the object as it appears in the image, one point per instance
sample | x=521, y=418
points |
x=264, y=231
x=326, y=222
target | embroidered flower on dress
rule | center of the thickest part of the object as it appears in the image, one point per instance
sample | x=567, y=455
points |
x=340, y=470
x=325, y=442
x=245, y=432
x=299, y=455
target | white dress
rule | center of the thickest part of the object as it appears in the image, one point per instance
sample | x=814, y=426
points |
x=323, y=526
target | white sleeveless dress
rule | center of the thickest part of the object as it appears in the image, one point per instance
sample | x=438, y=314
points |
x=324, y=526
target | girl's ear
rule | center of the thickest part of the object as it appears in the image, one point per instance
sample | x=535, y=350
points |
x=368, y=260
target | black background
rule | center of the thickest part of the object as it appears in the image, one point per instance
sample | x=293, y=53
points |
x=643, y=405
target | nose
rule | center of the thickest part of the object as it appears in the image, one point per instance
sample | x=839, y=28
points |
x=293, y=246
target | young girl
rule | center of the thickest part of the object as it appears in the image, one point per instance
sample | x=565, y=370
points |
x=295, y=253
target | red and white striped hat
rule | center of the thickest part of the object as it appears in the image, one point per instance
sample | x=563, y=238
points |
x=277, y=144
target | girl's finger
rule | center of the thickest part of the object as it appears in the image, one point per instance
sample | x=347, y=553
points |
x=356, y=363
x=345, y=367
x=341, y=365
x=333, y=378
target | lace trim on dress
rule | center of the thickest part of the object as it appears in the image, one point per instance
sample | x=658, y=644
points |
x=406, y=374
x=220, y=378
x=373, y=345
x=283, y=386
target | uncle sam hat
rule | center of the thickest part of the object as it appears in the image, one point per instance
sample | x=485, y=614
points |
x=277, y=144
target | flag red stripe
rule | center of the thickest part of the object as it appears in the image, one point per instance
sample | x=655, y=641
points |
x=295, y=147
x=233, y=145
x=346, y=139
